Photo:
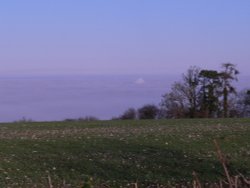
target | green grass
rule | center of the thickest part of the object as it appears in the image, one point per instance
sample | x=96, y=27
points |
x=120, y=152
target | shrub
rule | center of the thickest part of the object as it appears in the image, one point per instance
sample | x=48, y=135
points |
x=148, y=111
x=129, y=114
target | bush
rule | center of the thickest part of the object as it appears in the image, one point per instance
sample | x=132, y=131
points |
x=148, y=112
x=128, y=114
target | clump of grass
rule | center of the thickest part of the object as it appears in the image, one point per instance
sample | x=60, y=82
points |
x=238, y=181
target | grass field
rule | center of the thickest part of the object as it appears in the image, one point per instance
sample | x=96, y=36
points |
x=120, y=152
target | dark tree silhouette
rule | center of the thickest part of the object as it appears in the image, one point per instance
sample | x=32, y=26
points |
x=191, y=89
x=183, y=99
x=210, y=84
x=228, y=75
x=148, y=112
x=128, y=114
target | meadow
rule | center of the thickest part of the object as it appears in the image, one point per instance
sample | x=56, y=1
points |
x=118, y=153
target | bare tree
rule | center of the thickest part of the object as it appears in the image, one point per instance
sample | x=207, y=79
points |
x=191, y=89
x=173, y=105
x=243, y=103
x=183, y=100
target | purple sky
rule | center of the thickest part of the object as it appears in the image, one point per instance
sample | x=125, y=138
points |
x=122, y=37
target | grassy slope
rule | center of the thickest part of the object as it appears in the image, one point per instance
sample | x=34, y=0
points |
x=118, y=152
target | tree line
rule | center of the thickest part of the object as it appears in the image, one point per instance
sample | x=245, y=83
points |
x=201, y=93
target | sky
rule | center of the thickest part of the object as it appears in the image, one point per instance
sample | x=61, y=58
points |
x=122, y=36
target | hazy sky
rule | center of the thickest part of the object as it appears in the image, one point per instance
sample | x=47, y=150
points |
x=122, y=36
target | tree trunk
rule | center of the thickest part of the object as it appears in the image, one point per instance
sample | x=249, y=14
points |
x=225, y=103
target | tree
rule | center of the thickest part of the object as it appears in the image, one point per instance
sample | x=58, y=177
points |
x=148, y=112
x=173, y=104
x=128, y=114
x=209, y=93
x=228, y=75
x=202, y=93
x=183, y=100
x=243, y=103
x=191, y=89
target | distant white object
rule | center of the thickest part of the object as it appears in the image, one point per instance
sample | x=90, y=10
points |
x=140, y=81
